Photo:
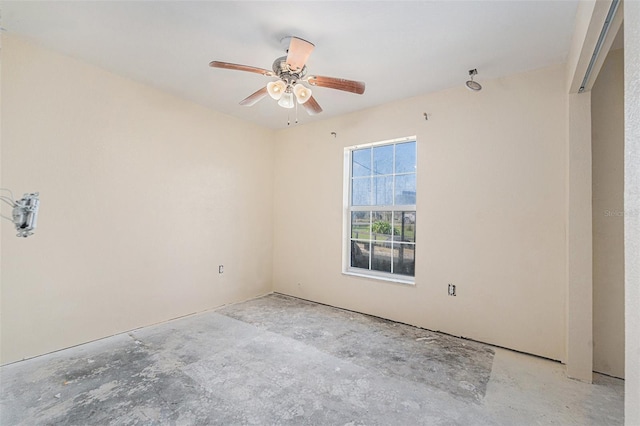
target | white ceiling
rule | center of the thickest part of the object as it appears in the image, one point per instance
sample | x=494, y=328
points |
x=399, y=49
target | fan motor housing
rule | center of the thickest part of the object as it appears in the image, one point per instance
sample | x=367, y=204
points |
x=282, y=70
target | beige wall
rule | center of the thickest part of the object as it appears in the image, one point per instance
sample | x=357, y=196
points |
x=607, y=122
x=491, y=212
x=143, y=195
x=632, y=211
x=579, y=270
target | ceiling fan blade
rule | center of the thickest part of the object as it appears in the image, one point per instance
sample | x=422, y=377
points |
x=230, y=66
x=337, y=83
x=254, y=98
x=299, y=51
x=312, y=106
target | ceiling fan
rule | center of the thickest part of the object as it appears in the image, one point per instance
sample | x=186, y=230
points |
x=291, y=72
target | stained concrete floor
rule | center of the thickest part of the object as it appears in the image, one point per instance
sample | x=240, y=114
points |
x=280, y=360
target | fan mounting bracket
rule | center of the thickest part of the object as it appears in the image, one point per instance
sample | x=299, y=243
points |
x=284, y=43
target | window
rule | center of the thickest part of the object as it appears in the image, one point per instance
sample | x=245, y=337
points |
x=380, y=210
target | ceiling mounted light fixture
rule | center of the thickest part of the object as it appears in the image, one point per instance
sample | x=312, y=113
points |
x=276, y=89
x=287, y=101
x=302, y=93
x=291, y=88
x=473, y=85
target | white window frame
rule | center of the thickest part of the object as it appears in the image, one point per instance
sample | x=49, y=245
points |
x=347, y=209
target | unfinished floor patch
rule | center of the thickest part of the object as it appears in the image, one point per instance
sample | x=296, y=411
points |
x=457, y=366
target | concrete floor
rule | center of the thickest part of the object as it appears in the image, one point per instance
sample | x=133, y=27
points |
x=280, y=360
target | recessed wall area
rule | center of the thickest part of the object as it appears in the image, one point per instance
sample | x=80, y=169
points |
x=607, y=121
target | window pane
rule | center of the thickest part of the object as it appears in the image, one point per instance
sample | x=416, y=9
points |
x=405, y=226
x=383, y=191
x=360, y=254
x=361, y=191
x=406, y=157
x=360, y=225
x=405, y=190
x=383, y=160
x=361, y=162
x=404, y=259
x=381, y=226
x=381, y=257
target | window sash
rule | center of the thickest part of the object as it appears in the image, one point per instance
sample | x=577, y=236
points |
x=392, y=243
x=349, y=240
x=398, y=208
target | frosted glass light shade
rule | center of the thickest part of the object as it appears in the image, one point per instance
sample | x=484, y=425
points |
x=302, y=93
x=286, y=101
x=276, y=89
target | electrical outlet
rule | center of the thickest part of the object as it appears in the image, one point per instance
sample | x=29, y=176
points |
x=452, y=290
x=220, y=269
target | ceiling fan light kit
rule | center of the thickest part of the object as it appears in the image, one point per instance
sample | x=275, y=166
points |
x=302, y=93
x=286, y=101
x=276, y=89
x=291, y=70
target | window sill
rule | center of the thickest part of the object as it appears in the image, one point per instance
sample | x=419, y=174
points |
x=393, y=279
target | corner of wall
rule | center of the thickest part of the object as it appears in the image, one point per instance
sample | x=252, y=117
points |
x=590, y=18
x=589, y=21
x=169, y=190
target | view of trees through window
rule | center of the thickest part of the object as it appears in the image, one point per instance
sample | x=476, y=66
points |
x=382, y=185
